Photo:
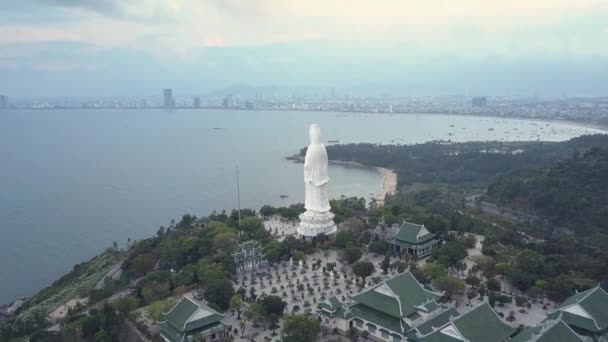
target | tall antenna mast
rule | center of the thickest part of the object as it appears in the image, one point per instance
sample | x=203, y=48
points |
x=238, y=195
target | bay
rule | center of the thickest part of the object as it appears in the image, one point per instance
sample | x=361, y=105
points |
x=74, y=181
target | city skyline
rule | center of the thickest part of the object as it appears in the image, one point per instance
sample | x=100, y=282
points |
x=57, y=47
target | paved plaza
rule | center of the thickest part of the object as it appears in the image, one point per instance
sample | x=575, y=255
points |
x=280, y=227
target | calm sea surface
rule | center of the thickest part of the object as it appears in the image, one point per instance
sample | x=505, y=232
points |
x=74, y=181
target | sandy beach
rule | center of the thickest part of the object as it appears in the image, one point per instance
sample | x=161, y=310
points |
x=389, y=181
x=389, y=184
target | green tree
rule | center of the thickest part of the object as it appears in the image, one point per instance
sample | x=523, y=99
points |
x=236, y=303
x=434, y=271
x=355, y=226
x=450, y=285
x=209, y=271
x=493, y=285
x=156, y=309
x=273, y=305
x=298, y=255
x=219, y=292
x=127, y=304
x=343, y=239
x=363, y=269
x=301, y=328
x=385, y=264
x=450, y=254
x=255, y=313
x=142, y=264
x=502, y=268
x=102, y=336
x=473, y=280
x=379, y=247
x=351, y=254
x=274, y=251
x=560, y=287
x=486, y=264
x=253, y=227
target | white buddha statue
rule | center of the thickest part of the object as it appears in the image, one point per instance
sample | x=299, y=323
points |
x=315, y=172
x=318, y=218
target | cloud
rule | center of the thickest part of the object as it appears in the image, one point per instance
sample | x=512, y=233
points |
x=458, y=26
x=106, y=7
x=256, y=38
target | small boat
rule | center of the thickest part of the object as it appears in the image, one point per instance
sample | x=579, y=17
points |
x=284, y=196
x=490, y=129
x=333, y=141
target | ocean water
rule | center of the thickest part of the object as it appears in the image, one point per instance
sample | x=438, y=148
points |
x=74, y=181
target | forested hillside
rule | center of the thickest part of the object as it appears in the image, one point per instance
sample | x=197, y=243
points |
x=571, y=193
x=462, y=162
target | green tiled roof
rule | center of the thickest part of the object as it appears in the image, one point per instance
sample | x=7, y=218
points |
x=331, y=304
x=594, y=302
x=438, y=337
x=480, y=324
x=437, y=321
x=187, y=316
x=430, y=306
x=411, y=233
x=170, y=332
x=179, y=314
x=411, y=293
x=548, y=331
x=575, y=298
x=335, y=302
x=408, y=294
x=378, y=301
x=378, y=318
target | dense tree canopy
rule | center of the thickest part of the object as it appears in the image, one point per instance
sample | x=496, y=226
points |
x=301, y=328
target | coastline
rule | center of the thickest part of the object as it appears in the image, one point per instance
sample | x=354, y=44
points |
x=389, y=184
x=594, y=125
x=389, y=177
x=585, y=124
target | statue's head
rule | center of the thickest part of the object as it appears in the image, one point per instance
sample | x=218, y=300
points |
x=315, y=134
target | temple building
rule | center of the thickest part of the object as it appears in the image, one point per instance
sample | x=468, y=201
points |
x=249, y=256
x=586, y=313
x=400, y=309
x=413, y=239
x=387, y=311
x=480, y=324
x=189, y=320
x=550, y=330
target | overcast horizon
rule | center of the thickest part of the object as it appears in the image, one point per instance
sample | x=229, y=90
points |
x=135, y=48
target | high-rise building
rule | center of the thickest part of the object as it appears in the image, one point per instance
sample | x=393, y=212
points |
x=479, y=101
x=168, y=101
x=228, y=101
x=3, y=102
x=197, y=102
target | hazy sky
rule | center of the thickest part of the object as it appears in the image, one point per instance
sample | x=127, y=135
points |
x=137, y=47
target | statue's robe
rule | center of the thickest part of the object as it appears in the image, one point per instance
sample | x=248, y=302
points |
x=316, y=178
